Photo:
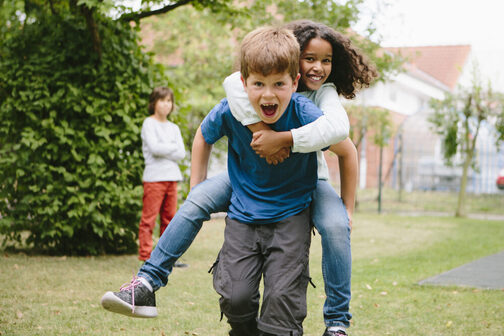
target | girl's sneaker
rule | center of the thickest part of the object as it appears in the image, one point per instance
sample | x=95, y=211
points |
x=133, y=299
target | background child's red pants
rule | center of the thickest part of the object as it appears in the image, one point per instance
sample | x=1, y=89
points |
x=158, y=198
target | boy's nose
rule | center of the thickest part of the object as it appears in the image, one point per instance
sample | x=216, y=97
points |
x=268, y=92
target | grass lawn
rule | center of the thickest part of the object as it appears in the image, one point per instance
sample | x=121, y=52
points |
x=43, y=295
x=429, y=201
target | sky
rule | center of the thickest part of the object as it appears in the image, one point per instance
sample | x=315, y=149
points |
x=479, y=23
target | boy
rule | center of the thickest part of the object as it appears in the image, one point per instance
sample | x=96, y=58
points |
x=268, y=224
x=268, y=229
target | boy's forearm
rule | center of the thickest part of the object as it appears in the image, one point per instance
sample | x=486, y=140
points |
x=199, y=160
x=258, y=126
x=349, y=169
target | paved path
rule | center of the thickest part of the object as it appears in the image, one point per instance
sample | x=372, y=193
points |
x=486, y=273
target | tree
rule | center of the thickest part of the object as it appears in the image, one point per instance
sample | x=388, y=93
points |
x=376, y=122
x=210, y=42
x=74, y=83
x=458, y=118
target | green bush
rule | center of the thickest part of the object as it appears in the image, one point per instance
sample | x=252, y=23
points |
x=70, y=147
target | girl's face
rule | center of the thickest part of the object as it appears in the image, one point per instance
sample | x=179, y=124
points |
x=163, y=107
x=315, y=63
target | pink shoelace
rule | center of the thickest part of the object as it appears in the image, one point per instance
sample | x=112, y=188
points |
x=131, y=285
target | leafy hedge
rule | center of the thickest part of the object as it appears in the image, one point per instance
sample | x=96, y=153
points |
x=70, y=148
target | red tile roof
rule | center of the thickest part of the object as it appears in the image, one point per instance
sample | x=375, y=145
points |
x=445, y=63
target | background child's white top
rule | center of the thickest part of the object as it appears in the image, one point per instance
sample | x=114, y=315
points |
x=329, y=129
x=162, y=146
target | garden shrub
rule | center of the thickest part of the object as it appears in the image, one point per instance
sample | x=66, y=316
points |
x=70, y=147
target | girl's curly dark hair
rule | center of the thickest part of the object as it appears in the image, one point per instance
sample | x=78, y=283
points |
x=351, y=70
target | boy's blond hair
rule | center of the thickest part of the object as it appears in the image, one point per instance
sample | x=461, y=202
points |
x=269, y=50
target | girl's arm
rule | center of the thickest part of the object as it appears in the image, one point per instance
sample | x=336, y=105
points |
x=180, y=152
x=173, y=150
x=348, y=164
x=238, y=100
x=329, y=129
x=199, y=160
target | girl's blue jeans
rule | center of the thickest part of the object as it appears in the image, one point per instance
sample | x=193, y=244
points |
x=212, y=195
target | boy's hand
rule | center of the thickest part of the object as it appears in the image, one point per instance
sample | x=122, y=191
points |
x=267, y=143
x=278, y=157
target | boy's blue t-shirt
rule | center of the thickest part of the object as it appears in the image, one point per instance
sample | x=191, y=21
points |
x=264, y=193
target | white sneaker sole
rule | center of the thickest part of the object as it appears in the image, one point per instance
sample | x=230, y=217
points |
x=112, y=303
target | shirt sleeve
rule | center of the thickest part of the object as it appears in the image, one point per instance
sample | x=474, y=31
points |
x=180, y=152
x=238, y=100
x=212, y=127
x=173, y=146
x=329, y=129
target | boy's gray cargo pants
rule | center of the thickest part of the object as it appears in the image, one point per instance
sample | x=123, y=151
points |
x=278, y=252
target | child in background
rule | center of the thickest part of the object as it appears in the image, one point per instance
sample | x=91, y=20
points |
x=162, y=146
x=267, y=231
x=329, y=66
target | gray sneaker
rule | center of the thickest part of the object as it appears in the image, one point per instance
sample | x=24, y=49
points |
x=133, y=299
x=334, y=333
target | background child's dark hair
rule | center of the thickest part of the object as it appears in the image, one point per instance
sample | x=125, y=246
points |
x=351, y=70
x=160, y=92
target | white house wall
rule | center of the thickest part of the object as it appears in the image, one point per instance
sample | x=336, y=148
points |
x=404, y=94
x=407, y=95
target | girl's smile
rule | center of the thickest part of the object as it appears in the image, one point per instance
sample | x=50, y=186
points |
x=315, y=63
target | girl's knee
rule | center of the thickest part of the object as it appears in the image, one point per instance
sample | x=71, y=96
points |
x=334, y=227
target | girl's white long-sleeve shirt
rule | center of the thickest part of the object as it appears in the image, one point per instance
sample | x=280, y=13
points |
x=329, y=129
x=162, y=146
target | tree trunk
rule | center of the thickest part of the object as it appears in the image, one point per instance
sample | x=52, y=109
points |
x=93, y=30
x=380, y=180
x=460, y=212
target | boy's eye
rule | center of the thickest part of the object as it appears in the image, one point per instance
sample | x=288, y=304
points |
x=279, y=84
x=258, y=84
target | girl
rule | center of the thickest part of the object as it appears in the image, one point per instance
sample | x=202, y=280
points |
x=162, y=146
x=335, y=68
x=329, y=65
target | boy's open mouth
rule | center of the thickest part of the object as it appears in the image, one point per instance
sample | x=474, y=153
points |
x=269, y=109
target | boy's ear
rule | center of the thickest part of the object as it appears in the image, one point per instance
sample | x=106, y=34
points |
x=296, y=82
x=243, y=81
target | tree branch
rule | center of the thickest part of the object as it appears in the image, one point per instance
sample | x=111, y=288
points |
x=93, y=29
x=140, y=15
x=53, y=12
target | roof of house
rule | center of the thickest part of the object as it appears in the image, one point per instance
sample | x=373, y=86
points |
x=445, y=63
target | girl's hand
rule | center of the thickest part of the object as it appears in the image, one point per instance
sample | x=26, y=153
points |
x=278, y=157
x=267, y=143
x=350, y=214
